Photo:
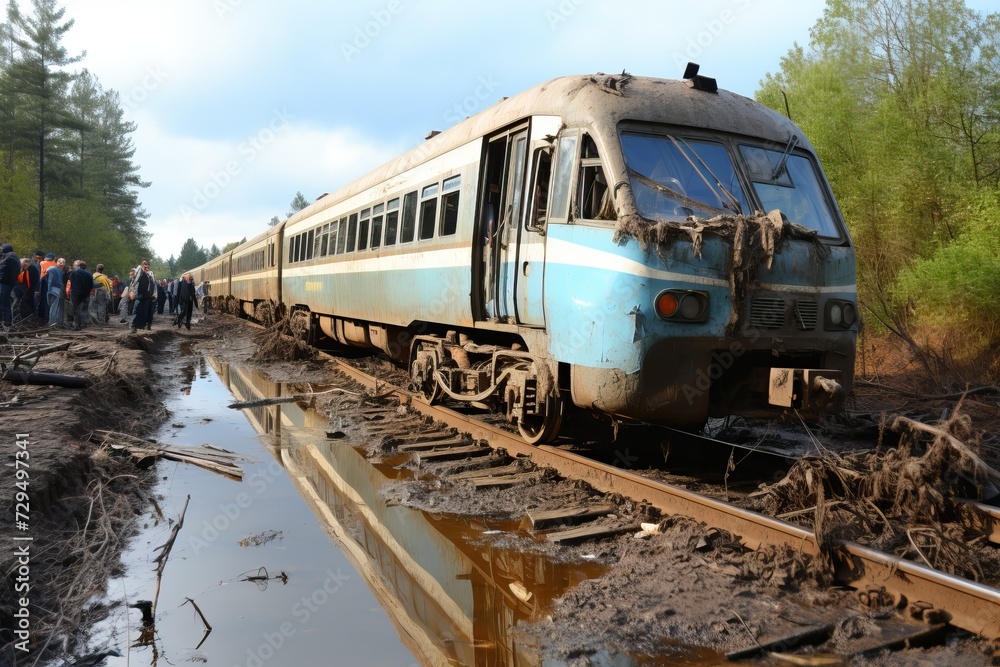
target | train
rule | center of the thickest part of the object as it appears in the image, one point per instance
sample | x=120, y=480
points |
x=646, y=250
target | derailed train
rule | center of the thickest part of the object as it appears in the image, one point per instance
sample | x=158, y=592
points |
x=595, y=241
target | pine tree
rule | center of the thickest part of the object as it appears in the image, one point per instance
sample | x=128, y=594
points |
x=298, y=203
x=37, y=80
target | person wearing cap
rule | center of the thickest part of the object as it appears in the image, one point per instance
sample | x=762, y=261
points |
x=10, y=269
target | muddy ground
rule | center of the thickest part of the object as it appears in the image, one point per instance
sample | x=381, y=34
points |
x=681, y=579
x=82, y=501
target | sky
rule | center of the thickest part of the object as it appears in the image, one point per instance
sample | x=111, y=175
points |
x=239, y=104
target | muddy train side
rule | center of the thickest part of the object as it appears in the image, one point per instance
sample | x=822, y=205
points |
x=647, y=249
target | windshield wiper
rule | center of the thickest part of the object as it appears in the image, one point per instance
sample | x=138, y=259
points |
x=683, y=199
x=793, y=141
x=734, y=203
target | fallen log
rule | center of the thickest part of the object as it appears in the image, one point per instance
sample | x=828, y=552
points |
x=56, y=379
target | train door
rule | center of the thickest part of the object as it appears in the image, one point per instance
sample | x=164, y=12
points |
x=529, y=267
x=502, y=195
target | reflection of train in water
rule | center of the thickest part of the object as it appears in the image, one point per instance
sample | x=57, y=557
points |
x=595, y=241
x=453, y=598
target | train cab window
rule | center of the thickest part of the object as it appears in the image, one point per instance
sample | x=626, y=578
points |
x=593, y=197
x=409, y=217
x=449, y=205
x=428, y=211
x=352, y=231
x=565, y=163
x=310, y=239
x=377, y=218
x=342, y=235
x=542, y=175
x=363, y=229
x=674, y=178
x=391, y=221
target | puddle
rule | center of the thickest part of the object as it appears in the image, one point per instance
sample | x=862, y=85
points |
x=394, y=586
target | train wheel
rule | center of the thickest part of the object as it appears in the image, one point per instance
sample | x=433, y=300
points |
x=423, y=373
x=539, y=430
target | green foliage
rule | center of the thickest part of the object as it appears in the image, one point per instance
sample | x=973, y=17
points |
x=297, y=204
x=191, y=256
x=67, y=181
x=958, y=285
x=901, y=99
x=233, y=245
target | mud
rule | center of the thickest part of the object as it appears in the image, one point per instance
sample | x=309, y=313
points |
x=669, y=595
x=82, y=501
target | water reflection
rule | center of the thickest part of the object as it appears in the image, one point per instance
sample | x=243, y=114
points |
x=454, y=598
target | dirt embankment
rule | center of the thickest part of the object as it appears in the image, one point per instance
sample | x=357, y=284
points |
x=69, y=506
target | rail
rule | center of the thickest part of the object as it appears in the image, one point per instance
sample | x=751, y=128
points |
x=970, y=606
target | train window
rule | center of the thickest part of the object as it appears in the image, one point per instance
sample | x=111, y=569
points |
x=377, y=225
x=322, y=239
x=291, y=250
x=296, y=241
x=363, y=229
x=788, y=182
x=352, y=231
x=391, y=221
x=310, y=240
x=331, y=245
x=542, y=174
x=428, y=212
x=409, y=217
x=674, y=178
x=565, y=160
x=342, y=235
x=449, y=205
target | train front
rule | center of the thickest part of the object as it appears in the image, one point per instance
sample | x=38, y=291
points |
x=723, y=280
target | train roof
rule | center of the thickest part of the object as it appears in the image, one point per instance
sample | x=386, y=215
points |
x=588, y=101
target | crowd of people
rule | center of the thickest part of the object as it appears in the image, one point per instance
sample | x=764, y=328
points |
x=45, y=290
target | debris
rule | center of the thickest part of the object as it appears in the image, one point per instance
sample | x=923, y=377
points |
x=755, y=239
x=55, y=379
x=145, y=452
x=164, y=549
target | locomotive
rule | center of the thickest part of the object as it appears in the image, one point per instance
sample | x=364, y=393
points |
x=656, y=250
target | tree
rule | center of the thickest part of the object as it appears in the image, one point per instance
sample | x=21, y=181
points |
x=213, y=252
x=901, y=99
x=274, y=221
x=298, y=203
x=233, y=245
x=191, y=256
x=41, y=116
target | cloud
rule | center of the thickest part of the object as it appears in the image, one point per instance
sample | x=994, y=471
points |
x=219, y=191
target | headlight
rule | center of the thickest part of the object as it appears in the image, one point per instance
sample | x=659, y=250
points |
x=836, y=314
x=840, y=314
x=850, y=314
x=682, y=305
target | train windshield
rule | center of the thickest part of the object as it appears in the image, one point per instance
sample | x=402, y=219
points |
x=789, y=182
x=674, y=178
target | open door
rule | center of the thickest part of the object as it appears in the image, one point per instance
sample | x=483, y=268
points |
x=500, y=211
x=514, y=196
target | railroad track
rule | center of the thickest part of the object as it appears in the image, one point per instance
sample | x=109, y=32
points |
x=923, y=591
